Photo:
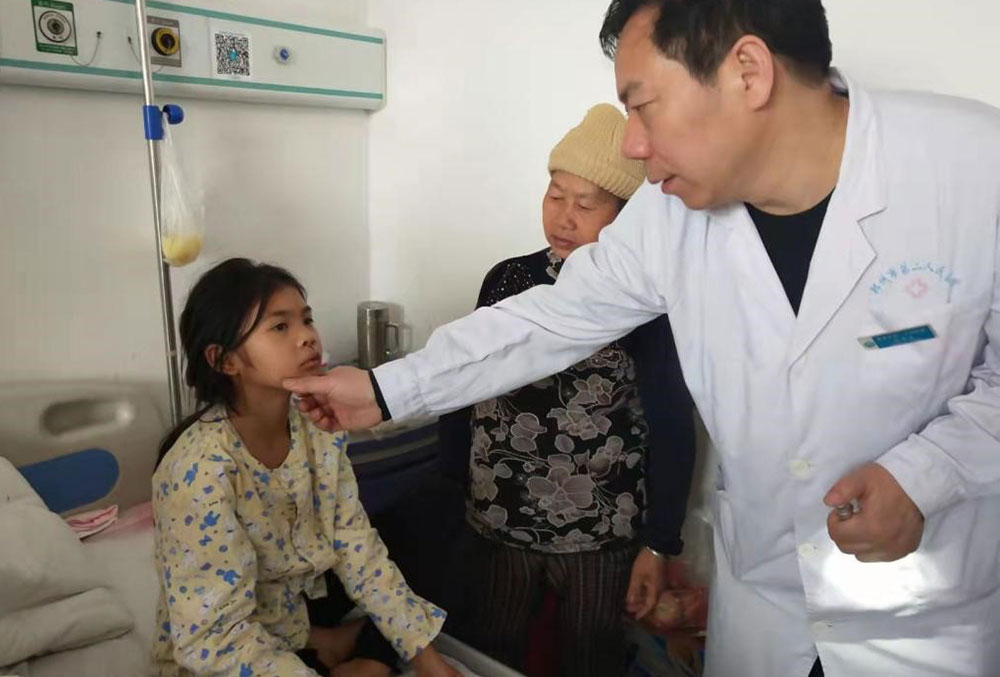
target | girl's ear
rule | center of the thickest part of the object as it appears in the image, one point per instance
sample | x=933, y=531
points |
x=229, y=364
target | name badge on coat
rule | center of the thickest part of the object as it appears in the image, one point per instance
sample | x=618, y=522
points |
x=891, y=339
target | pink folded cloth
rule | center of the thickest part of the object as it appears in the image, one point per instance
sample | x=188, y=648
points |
x=134, y=519
x=93, y=521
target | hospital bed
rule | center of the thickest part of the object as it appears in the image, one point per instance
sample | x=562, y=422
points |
x=84, y=446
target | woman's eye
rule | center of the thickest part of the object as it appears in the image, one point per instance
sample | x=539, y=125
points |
x=281, y=326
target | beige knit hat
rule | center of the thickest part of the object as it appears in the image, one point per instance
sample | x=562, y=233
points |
x=593, y=151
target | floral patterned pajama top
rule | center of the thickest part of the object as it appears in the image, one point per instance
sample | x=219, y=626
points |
x=238, y=546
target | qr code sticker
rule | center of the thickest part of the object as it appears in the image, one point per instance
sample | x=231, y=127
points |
x=232, y=55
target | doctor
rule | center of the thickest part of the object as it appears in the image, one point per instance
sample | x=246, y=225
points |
x=828, y=259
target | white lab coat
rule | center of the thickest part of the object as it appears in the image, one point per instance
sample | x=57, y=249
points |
x=794, y=403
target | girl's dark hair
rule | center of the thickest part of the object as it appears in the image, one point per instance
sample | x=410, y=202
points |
x=218, y=312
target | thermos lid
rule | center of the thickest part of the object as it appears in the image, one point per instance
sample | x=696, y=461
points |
x=372, y=309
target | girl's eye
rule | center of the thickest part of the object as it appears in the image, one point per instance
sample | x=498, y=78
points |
x=281, y=326
x=308, y=321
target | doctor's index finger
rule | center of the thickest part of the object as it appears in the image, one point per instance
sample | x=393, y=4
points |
x=850, y=487
x=307, y=385
x=306, y=403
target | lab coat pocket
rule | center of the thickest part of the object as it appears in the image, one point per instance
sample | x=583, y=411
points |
x=901, y=354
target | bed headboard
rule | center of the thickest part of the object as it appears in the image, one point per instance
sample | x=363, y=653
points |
x=82, y=445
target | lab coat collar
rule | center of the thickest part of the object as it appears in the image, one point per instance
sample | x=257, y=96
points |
x=843, y=253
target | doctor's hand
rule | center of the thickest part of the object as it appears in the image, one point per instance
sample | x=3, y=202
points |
x=889, y=525
x=341, y=399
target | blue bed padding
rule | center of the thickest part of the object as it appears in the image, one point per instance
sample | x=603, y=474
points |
x=73, y=480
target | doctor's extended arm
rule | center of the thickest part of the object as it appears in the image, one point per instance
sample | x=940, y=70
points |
x=604, y=290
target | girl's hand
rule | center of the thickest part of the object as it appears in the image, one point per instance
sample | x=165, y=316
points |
x=335, y=645
x=430, y=664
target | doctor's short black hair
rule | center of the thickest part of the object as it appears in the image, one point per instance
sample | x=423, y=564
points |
x=699, y=33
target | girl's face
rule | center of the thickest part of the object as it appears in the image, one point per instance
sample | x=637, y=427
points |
x=285, y=344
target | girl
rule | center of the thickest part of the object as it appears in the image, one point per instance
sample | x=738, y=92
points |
x=260, y=536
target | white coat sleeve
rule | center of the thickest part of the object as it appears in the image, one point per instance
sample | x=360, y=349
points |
x=603, y=291
x=957, y=455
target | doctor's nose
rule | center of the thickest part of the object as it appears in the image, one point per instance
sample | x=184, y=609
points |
x=635, y=142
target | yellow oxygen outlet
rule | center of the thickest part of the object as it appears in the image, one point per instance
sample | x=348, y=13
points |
x=166, y=41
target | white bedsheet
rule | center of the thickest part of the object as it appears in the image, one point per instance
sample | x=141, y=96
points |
x=470, y=663
x=126, y=557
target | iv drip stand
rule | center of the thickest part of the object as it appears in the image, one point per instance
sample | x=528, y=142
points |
x=153, y=125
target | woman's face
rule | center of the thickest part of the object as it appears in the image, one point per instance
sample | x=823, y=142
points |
x=574, y=211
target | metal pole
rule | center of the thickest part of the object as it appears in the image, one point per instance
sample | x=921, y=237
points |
x=166, y=294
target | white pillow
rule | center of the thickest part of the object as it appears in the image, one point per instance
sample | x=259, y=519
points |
x=125, y=656
x=13, y=486
x=68, y=623
x=42, y=562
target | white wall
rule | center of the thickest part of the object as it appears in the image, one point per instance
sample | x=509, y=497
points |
x=338, y=13
x=77, y=261
x=450, y=173
x=946, y=46
x=478, y=93
x=480, y=90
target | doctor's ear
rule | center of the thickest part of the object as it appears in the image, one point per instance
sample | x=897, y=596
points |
x=749, y=68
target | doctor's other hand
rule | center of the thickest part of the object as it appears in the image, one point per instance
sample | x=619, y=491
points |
x=341, y=399
x=888, y=526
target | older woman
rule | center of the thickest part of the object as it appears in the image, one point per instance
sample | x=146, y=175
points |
x=562, y=472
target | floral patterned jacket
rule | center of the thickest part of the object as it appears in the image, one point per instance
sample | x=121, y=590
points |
x=565, y=464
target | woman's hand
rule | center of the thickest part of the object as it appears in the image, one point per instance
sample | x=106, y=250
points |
x=429, y=663
x=649, y=579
